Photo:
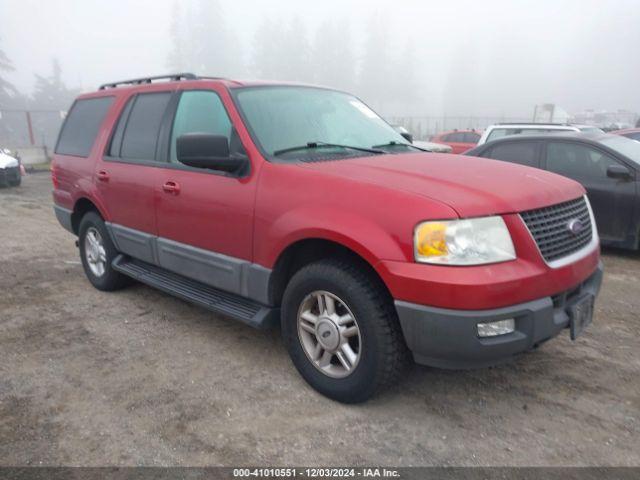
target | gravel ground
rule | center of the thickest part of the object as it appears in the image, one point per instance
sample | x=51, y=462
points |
x=140, y=378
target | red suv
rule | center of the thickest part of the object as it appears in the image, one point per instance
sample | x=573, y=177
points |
x=459, y=140
x=299, y=205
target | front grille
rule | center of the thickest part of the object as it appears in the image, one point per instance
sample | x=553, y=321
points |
x=549, y=227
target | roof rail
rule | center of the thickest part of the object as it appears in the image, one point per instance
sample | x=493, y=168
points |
x=175, y=77
x=534, y=123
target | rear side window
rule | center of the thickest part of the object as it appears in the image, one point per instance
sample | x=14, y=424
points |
x=523, y=153
x=578, y=161
x=81, y=126
x=471, y=137
x=140, y=137
x=454, y=137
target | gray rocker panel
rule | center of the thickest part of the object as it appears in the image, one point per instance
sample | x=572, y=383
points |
x=223, y=272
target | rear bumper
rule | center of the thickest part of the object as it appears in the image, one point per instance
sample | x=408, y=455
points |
x=447, y=338
x=64, y=217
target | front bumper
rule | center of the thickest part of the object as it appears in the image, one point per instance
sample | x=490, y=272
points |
x=9, y=174
x=448, y=338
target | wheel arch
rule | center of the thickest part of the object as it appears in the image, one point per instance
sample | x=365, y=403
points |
x=80, y=208
x=304, y=251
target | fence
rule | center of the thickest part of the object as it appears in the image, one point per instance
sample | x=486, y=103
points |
x=22, y=128
x=424, y=127
x=29, y=128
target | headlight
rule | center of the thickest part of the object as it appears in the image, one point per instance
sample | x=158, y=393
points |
x=475, y=241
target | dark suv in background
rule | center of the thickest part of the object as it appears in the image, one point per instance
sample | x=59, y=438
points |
x=606, y=165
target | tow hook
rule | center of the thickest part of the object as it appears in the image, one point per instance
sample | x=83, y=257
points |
x=77, y=244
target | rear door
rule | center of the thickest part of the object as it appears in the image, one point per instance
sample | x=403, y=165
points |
x=127, y=175
x=612, y=200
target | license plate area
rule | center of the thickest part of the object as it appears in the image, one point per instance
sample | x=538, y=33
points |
x=580, y=315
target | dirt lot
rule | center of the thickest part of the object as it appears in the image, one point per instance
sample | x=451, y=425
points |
x=140, y=378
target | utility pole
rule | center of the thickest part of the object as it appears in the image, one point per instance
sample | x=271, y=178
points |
x=30, y=127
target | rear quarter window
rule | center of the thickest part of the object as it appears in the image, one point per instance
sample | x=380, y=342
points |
x=81, y=127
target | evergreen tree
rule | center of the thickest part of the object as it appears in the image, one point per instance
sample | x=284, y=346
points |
x=177, y=60
x=376, y=70
x=202, y=42
x=50, y=92
x=266, y=46
x=295, y=54
x=7, y=90
x=333, y=57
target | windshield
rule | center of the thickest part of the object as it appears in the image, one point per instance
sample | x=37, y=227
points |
x=627, y=147
x=284, y=118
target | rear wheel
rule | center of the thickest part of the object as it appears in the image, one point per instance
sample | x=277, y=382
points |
x=342, y=331
x=97, y=252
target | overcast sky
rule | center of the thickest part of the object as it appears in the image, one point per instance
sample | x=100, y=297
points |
x=488, y=57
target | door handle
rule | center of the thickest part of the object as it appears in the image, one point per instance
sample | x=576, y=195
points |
x=171, y=187
x=103, y=176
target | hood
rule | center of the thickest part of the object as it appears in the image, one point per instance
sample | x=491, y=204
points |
x=471, y=186
x=7, y=161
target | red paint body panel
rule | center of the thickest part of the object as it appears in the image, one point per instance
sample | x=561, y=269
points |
x=370, y=205
x=625, y=130
x=487, y=286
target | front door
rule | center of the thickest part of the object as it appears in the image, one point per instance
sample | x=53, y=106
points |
x=205, y=218
x=612, y=200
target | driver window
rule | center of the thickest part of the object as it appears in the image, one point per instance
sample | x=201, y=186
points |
x=578, y=161
x=202, y=112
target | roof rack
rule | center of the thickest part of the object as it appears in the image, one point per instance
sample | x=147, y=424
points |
x=533, y=123
x=175, y=77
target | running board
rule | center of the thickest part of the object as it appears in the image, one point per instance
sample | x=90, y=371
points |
x=218, y=301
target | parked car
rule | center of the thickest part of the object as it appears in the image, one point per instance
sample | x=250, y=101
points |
x=433, y=147
x=428, y=146
x=9, y=170
x=606, y=165
x=500, y=130
x=459, y=140
x=632, y=133
x=274, y=203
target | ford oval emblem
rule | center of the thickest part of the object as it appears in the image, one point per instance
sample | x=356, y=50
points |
x=575, y=226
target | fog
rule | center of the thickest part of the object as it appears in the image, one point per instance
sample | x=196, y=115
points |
x=492, y=58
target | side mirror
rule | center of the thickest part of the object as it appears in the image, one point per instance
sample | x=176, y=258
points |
x=407, y=136
x=618, y=171
x=202, y=150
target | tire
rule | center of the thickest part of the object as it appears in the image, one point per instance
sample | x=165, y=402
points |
x=106, y=279
x=381, y=351
x=16, y=181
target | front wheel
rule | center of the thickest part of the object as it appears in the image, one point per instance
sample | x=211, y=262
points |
x=341, y=331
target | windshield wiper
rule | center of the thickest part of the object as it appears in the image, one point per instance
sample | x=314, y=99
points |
x=393, y=143
x=314, y=145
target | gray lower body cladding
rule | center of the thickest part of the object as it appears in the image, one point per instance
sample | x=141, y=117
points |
x=447, y=338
